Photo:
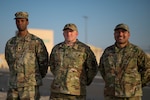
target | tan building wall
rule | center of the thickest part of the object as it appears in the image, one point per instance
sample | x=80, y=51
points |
x=46, y=36
x=97, y=51
x=3, y=63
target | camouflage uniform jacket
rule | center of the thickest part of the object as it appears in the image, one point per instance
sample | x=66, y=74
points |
x=27, y=59
x=73, y=68
x=124, y=71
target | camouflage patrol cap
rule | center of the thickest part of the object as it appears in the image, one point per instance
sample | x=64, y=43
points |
x=122, y=26
x=21, y=14
x=70, y=26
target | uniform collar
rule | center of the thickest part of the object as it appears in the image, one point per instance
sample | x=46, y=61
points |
x=75, y=45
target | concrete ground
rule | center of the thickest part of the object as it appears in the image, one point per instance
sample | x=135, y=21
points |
x=94, y=91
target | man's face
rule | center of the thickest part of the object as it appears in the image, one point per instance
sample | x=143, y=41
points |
x=121, y=36
x=70, y=35
x=21, y=24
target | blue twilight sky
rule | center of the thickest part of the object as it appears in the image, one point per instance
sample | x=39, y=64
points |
x=102, y=17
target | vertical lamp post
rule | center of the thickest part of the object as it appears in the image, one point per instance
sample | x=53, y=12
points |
x=85, y=21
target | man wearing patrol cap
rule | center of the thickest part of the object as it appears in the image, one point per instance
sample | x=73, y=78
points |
x=70, y=26
x=21, y=15
x=27, y=58
x=73, y=65
x=124, y=67
x=122, y=26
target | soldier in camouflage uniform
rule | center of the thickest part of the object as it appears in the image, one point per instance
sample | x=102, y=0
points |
x=27, y=58
x=124, y=67
x=73, y=65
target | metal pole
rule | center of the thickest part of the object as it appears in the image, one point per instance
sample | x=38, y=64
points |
x=85, y=21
